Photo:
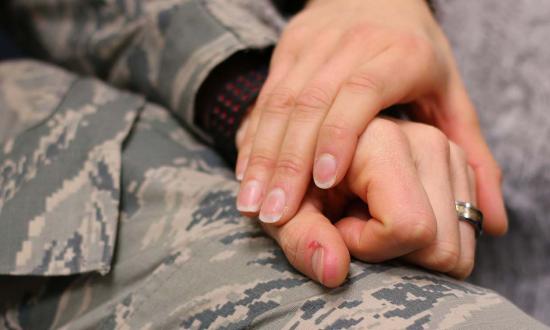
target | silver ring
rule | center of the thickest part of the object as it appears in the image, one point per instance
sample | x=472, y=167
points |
x=469, y=213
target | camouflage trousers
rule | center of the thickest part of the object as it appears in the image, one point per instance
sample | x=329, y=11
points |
x=185, y=258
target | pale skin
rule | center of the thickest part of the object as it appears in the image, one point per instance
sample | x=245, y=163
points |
x=409, y=175
x=337, y=65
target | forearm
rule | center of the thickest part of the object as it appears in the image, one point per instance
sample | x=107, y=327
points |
x=162, y=50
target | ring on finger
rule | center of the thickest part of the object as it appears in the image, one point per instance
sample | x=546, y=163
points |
x=467, y=212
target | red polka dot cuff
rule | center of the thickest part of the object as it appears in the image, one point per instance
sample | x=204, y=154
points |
x=227, y=94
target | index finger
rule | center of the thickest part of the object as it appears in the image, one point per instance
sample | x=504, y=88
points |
x=392, y=77
x=312, y=244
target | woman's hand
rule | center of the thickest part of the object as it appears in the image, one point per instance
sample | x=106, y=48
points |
x=336, y=66
x=397, y=201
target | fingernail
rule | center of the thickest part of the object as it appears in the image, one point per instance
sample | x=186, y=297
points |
x=273, y=206
x=241, y=167
x=249, y=197
x=317, y=263
x=324, y=171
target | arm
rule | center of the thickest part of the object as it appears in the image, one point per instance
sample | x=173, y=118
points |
x=161, y=49
x=337, y=65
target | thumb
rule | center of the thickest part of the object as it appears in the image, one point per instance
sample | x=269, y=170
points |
x=312, y=244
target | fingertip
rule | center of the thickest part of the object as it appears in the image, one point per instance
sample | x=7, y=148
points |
x=496, y=223
x=496, y=219
x=249, y=197
x=274, y=206
x=330, y=263
x=318, y=249
x=336, y=268
x=491, y=203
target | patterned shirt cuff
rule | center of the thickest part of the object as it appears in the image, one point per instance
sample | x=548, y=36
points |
x=227, y=94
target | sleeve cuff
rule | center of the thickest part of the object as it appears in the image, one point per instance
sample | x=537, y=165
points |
x=226, y=95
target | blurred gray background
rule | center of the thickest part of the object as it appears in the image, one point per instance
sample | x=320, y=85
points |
x=503, y=50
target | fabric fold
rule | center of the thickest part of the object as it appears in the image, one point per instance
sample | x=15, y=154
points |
x=60, y=179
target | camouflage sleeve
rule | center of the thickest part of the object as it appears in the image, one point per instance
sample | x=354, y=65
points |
x=163, y=49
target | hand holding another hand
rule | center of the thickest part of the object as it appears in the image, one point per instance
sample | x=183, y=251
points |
x=409, y=175
x=337, y=65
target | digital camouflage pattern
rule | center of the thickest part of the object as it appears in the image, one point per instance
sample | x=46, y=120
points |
x=60, y=182
x=162, y=49
x=114, y=192
x=185, y=258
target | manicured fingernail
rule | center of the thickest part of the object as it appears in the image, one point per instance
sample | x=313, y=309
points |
x=317, y=263
x=249, y=197
x=273, y=206
x=241, y=167
x=324, y=171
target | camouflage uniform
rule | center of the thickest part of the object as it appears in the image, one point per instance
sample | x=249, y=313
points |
x=118, y=195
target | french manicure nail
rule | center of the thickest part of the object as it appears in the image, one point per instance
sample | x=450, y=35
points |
x=317, y=263
x=273, y=206
x=324, y=171
x=249, y=197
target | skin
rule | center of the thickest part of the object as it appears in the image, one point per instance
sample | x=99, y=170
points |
x=409, y=175
x=337, y=65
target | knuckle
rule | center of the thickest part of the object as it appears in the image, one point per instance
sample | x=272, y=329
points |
x=386, y=130
x=290, y=165
x=364, y=82
x=260, y=160
x=445, y=257
x=436, y=141
x=280, y=101
x=313, y=101
x=336, y=132
x=416, y=229
x=382, y=136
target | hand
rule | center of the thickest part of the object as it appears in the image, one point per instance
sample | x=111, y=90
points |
x=336, y=66
x=409, y=175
